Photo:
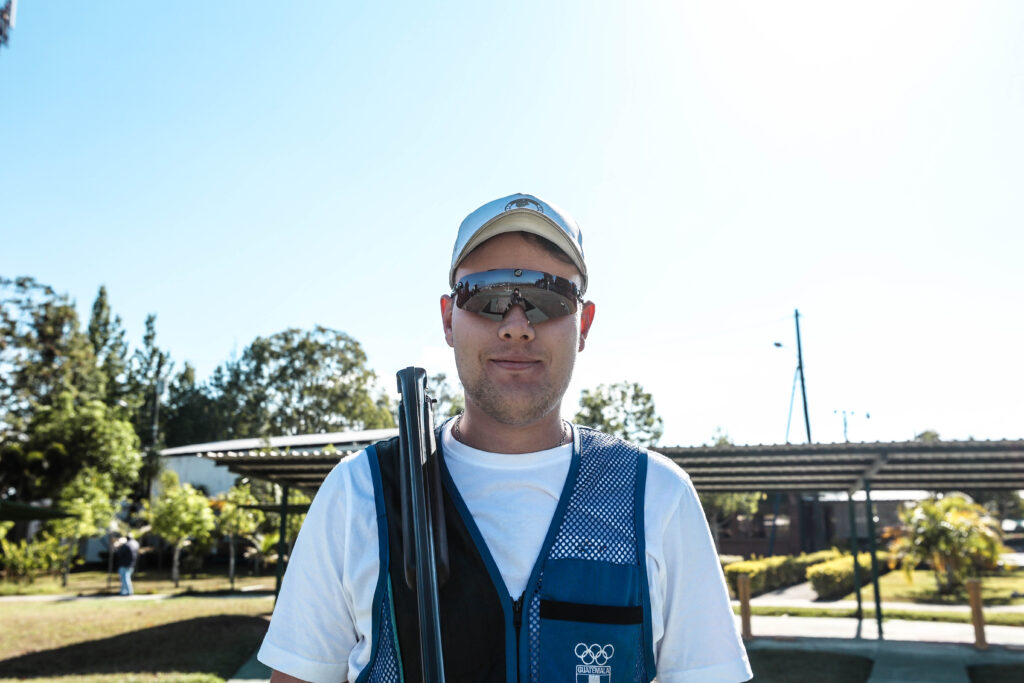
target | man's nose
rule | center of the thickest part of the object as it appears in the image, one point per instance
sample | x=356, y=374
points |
x=514, y=326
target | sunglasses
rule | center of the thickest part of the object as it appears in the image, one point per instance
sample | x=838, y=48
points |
x=493, y=292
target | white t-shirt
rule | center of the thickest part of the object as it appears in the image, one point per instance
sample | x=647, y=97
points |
x=322, y=622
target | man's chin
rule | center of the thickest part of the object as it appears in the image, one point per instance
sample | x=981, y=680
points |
x=514, y=410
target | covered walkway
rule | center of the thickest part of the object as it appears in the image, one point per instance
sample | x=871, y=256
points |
x=304, y=461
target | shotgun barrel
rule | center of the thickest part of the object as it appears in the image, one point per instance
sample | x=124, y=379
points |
x=424, y=541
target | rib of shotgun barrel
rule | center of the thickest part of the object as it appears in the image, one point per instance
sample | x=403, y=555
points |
x=424, y=542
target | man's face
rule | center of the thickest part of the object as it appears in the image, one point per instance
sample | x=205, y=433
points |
x=513, y=370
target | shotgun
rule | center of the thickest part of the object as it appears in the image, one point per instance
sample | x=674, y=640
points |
x=424, y=542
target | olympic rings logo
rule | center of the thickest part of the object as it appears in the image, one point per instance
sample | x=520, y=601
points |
x=594, y=654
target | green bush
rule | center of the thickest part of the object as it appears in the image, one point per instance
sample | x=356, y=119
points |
x=771, y=573
x=729, y=559
x=757, y=570
x=834, y=578
x=24, y=560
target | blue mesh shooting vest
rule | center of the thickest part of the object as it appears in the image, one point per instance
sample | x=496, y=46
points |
x=585, y=616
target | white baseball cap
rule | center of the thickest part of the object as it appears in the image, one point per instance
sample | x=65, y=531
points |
x=520, y=213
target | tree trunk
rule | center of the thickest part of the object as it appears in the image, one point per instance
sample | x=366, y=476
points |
x=66, y=565
x=110, y=557
x=231, y=560
x=174, y=564
x=66, y=568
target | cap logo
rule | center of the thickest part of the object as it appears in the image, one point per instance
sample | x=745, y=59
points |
x=524, y=203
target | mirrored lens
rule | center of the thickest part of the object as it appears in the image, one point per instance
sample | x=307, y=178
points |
x=492, y=293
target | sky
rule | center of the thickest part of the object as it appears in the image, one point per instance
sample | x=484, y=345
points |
x=239, y=168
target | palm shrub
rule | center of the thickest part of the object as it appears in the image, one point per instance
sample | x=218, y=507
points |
x=262, y=550
x=956, y=537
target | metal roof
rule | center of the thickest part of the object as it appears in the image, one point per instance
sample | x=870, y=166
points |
x=935, y=466
x=305, y=460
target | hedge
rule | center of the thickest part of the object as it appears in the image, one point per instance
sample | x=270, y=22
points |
x=770, y=573
x=835, y=578
x=726, y=560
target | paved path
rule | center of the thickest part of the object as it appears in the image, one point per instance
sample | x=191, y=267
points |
x=892, y=629
x=251, y=672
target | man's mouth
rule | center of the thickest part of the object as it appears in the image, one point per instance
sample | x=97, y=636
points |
x=515, y=363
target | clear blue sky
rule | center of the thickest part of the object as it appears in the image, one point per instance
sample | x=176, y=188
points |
x=240, y=168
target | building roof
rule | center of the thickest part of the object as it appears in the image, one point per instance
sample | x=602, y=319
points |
x=302, y=460
x=934, y=466
x=306, y=459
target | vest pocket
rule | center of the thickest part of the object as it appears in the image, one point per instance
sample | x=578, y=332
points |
x=586, y=643
x=591, y=614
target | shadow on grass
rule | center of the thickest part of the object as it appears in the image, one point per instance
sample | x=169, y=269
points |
x=996, y=673
x=804, y=666
x=216, y=645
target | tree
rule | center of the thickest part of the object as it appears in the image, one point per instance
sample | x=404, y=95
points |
x=448, y=402
x=149, y=367
x=181, y=515
x=43, y=354
x=193, y=414
x=62, y=439
x=1000, y=503
x=300, y=382
x=722, y=508
x=235, y=521
x=955, y=536
x=91, y=500
x=623, y=409
x=106, y=336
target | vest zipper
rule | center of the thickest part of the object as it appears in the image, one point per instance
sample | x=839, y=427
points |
x=517, y=623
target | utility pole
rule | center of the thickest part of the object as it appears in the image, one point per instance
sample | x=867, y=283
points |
x=800, y=369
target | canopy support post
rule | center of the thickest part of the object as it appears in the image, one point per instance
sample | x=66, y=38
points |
x=282, y=540
x=874, y=560
x=854, y=550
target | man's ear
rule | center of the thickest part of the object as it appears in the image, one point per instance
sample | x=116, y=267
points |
x=447, y=306
x=586, y=320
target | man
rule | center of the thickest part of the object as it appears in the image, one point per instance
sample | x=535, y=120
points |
x=126, y=554
x=575, y=556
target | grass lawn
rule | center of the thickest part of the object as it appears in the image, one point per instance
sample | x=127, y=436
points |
x=996, y=589
x=144, y=582
x=801, y=666
x=192, y=639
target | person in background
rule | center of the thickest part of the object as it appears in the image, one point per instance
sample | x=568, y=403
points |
x=126, y=554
